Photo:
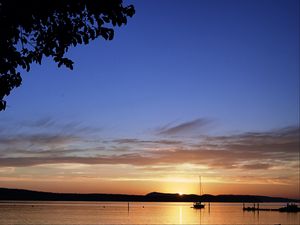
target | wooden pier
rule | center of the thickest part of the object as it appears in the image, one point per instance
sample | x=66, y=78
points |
x=288, y=208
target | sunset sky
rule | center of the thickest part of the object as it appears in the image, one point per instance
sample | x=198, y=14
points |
x=186, y=88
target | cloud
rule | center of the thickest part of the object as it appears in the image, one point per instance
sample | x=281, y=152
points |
x=184, y=128
x=264, y=157
x=23, y=145
x=284, y=140
x=138, y=141
x=133, y=159
x=44, y=122
x=49, y=124
x=245, y=151
x=257, y=166
x=37, y=139
x=212, y=158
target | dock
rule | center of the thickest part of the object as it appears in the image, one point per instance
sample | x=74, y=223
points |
x=287, y=208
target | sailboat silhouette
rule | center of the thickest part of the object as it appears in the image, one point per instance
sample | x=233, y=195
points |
x=199, y=205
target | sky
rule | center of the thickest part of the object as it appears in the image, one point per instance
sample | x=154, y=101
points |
x=204, y=88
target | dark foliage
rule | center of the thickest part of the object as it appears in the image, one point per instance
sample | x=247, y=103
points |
x=33, y=29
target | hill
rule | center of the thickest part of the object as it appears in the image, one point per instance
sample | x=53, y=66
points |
x=28, y=195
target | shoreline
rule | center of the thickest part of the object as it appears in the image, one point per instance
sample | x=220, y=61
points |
x=7, y=194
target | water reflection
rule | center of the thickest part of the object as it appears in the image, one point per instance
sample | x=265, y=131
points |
x=180, y=214
x=200, y=213
x=136, y=213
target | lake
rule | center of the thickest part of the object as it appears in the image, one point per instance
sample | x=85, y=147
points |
x=60, y=213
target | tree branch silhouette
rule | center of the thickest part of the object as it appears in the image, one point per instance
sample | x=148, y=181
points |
x=34, y=29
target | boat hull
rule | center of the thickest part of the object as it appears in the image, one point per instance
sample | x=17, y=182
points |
x=198, y=205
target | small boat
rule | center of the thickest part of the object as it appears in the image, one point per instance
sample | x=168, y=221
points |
x=290, y=208
x=199, y=204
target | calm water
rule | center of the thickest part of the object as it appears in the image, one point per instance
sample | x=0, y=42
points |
x=138, y=213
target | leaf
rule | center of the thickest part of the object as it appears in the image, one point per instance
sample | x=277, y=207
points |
x=111, y=35
x=106, y=19
x=2, y=105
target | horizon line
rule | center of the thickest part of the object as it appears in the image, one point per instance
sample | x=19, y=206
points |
x=179, y=194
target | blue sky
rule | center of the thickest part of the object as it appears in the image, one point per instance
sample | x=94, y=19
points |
x=233, y=61
x=232, y=64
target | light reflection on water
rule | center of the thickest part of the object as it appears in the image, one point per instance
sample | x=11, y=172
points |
x=59, y=213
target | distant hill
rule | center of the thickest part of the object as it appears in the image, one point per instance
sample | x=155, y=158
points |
x=27, y=195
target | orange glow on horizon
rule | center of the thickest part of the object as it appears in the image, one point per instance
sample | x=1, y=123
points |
x=126, y=179
x=144, y=187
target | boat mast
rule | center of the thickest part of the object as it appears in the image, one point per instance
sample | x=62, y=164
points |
x=200, y=186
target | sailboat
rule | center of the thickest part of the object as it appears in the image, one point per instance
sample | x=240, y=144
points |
x=199, y=205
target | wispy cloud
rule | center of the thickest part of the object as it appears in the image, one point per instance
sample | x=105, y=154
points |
x=246, y=151
x=257, y=166
x=47, y=124
x=37, y=139
x=270, y=157
x=139, y=142
x=184, y=128
x=46, y=137
x=285, y=140
x=273, y=155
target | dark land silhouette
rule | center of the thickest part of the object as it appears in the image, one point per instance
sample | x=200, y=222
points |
x=28, y=195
